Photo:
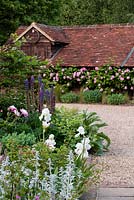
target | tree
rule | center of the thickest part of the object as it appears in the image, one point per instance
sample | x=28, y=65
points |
x=14, y=13
x=86, y=12
x=9, y=18
x=15, y=66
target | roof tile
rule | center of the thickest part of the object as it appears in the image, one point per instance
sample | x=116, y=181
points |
x=93, y=45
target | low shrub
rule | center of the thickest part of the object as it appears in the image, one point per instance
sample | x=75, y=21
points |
x=92, y=96
x=65, y=127
x=11, y=98
x=22, y=139
x=22, y=127
x=70, y=97
x=116, y=99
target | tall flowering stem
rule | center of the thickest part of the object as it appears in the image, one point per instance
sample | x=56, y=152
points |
x=41, y=97
x=30, y=95
x=41, y=94
x=50, y=99
x=36, y=101
x=27, y=90
x=33, y=100
x=32, y=91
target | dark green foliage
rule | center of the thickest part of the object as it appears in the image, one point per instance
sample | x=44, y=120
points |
x=10, y=12
x=70, y=97
x=15, y=66
x=14, y=13
x=11, y=97
x=30, y=125
x=92, y=96
x=96, y=12
x=116, y=99
x=35, y=125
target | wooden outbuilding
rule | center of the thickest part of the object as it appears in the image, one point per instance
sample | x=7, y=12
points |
x=81, y=46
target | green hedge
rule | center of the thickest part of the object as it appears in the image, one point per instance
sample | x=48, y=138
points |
x=116, y=99
x=92, y=96
x=70, y=97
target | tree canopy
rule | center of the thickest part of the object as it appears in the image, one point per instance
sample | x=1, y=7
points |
x=14, y=13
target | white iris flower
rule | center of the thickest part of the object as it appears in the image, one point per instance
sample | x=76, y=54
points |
x=81, y=131
x=50, y=142
x=83, y=147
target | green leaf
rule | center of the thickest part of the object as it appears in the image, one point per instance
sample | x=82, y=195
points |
x=106, y=139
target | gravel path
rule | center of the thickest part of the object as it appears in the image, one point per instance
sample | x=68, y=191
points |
x=118, y=163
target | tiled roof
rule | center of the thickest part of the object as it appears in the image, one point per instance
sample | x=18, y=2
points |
x=20, y=30
x=98, y=45
x=94, y=45
x=56, y=33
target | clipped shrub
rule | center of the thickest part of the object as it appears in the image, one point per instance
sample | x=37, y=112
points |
x=70, y=97
x=92, y=96
x=116, y=99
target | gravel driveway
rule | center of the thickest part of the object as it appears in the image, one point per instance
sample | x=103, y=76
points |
x=118, y=163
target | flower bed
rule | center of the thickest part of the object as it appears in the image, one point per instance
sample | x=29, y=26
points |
x=33, y=142
x=37, y=167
